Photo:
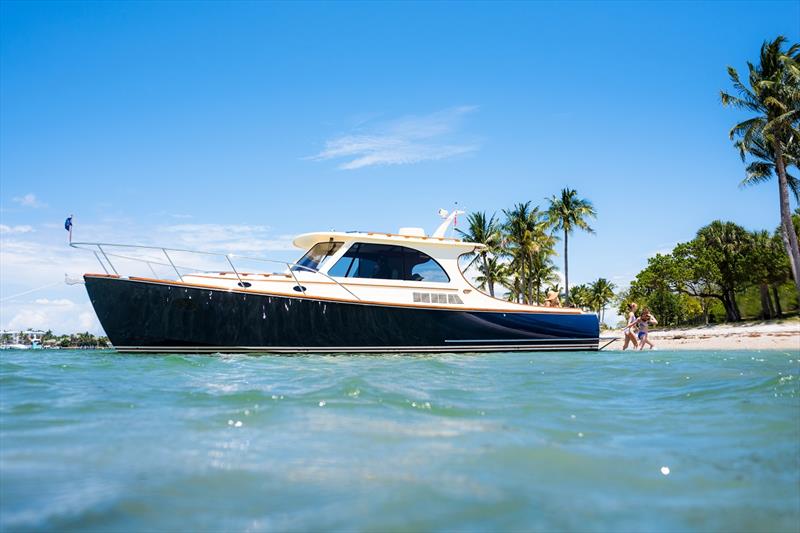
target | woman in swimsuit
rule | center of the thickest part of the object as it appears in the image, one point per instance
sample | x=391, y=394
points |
x=630, y=337
x=644, y=322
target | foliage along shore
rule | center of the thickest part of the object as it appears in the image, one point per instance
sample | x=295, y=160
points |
x=83, y=340
x=725, y=273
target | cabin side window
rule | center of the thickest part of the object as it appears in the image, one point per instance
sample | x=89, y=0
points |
x=316, y=256
x=381, y=261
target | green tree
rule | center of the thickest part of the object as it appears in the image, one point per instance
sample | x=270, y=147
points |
x=524, y=234
x=581, y=296
x=772, y=135
x=713, y=265
x=486, y=231
x=602, y=293
x=542, y=270
x=86, y=339
x=725, y=247
x=491, y=272
x=767, y=267
x=567, y=213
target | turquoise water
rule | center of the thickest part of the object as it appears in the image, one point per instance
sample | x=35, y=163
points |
x=105, y=442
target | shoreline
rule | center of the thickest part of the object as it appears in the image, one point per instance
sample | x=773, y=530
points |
x=766, y=335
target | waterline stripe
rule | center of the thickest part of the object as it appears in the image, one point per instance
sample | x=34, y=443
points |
x=580, y=339
x=354, y=349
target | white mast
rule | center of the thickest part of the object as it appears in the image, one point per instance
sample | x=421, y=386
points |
x=448, y=219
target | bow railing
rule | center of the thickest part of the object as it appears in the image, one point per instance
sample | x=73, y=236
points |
x=104, y=251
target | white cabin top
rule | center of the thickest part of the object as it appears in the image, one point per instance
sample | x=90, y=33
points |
x=405, y=235
x=307, y=240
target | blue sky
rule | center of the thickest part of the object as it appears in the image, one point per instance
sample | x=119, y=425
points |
x=242, y=124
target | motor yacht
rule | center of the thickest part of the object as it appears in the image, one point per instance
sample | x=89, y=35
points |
x=350, y=292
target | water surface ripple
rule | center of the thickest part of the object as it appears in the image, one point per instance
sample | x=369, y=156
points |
x=100, y=441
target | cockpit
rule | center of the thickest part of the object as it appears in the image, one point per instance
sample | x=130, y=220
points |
x=373, y=261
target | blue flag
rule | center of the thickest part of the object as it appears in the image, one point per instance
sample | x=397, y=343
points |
x=68, y=223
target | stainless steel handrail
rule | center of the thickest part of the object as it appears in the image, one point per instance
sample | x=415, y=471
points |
x=90, y=246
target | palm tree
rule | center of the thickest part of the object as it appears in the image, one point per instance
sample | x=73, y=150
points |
x=524, y=235
x=602, y=292
x=483, y=231
x=543, y=272
x=567, y=213
x=581, y=296
x=762, y=165
x=491, y=272
x=514, y=285
x=773, y=134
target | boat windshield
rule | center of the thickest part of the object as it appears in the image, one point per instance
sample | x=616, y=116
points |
x=381, y=261
x=316, y=256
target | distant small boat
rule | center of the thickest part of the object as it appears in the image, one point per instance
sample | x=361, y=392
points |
x=16, y=346
x=351, y=292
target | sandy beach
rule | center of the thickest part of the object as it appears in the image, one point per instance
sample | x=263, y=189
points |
x=768, y=335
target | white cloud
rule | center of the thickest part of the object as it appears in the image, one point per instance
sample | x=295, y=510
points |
x=81, y=317
x=28, y=263
x=407, y=140
x=29, y=200
x=61, y=302
x=15, y=229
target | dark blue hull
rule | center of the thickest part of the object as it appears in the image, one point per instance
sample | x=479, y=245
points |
x=150, y=316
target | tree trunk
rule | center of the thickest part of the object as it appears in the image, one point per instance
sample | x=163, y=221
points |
x=769, y=301
x=731, y=310
x=766, y=304
x=788, y=234
x=566, y=270
x=530, y=281
x=489, y=281
x=778, y=310
x=735, y=305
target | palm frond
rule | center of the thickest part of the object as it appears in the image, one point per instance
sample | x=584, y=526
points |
x=728, y=99
x=757, y=172
x=747, y=128
x=794, y=186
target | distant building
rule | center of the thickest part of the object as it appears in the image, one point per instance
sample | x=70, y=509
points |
x=29, y=338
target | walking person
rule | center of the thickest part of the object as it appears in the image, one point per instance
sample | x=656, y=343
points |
x=643, y=324
x=630, y=336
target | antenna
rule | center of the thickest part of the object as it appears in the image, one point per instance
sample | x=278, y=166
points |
x=448, y=218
